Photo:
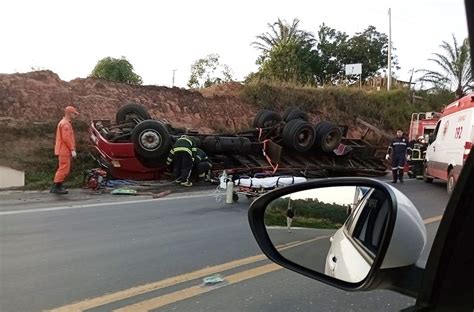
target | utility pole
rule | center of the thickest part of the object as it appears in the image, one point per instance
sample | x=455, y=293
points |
x=389, y=71
x=174, y=71
x=412, y=71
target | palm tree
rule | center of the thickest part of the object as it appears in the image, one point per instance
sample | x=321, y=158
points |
x=455, y=68
x=281, y=32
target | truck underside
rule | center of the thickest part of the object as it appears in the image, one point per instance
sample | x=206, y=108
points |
x=136, y=147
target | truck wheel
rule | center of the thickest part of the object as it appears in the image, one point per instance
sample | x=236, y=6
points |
x=257, y=117
x=451, y=182
x=426, y=177
x=151, y=139
x=130, y=111
x=298, y=135
x=267, y=119
x=292, y=113
x=328, y=136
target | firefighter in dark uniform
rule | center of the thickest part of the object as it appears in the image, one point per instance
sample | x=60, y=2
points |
x=202, y=165
x=182, y=156
x=398, y=151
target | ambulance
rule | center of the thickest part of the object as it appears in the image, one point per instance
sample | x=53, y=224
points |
x=451, y=142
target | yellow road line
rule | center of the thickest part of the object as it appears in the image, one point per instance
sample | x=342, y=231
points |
x=433, y=219
x=285, y=247
x=124, y=294
x=193, y=291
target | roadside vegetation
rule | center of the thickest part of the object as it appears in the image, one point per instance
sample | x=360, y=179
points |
x=309, y=213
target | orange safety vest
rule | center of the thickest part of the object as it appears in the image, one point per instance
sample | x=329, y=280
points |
x=65, y=142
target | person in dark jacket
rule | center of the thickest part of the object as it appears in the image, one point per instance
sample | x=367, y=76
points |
x=290, y=214
x=398, y=151
x=182, y=156
x=202, y=165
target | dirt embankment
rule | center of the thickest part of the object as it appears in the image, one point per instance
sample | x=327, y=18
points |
x=42, y=95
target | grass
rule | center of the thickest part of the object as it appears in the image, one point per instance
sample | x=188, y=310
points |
x=278, y=219
x=40, y=176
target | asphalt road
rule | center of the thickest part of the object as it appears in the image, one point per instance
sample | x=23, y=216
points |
x=97, y=256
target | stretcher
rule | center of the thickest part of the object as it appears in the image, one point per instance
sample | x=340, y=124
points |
x=253, y=187
x=268, y=182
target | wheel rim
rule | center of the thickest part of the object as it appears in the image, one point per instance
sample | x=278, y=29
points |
x=130, y=116
x=150, y=140
x=304, y=137
x=330, y=139
x=451, y=183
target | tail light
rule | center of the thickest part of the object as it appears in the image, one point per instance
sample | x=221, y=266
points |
x=467, y=150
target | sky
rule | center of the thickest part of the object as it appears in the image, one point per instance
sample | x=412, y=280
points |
x=69, y=37
x=343, y=195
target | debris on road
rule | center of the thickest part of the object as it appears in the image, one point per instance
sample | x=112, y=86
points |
x=161, y=194
x=213, y=280
x=124, y=191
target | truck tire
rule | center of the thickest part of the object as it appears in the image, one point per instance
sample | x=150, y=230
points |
x=151, y=139
x=292, y=113
x=219, y=145
x=267, y=118
x=257, y=117
x=328, y=136
x=426, y=177
x=130, y=111
x=299, y=135
x=451, y=182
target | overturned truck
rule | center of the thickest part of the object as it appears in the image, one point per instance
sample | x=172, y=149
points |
x=136, y=147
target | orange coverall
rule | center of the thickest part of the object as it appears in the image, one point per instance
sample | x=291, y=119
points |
x=65, y=144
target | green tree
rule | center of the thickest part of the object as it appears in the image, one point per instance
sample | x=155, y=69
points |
x=287, y=53
x=370, y=48
x=454, y=68
x=336, y=49
x=290, y=62
x=330, y=44
x=281, y=32
x=118, y=70
x=208, y=71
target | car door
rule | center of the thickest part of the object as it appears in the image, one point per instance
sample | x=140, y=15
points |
x=355, y=245
x=434, y=154
x=342, y=250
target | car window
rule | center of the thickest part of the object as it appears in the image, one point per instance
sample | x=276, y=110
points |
x=351, y=221
x=435, y=133
x=372, y=220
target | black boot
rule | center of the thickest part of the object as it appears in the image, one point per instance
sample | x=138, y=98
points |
x=395, y=175
x=400, y=175
x=58, y=189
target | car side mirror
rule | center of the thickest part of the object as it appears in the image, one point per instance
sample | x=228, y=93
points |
x=306, y=228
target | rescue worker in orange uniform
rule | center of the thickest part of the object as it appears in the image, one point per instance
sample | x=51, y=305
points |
x=65, y=149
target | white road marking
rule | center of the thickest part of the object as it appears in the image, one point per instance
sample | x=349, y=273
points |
x=35, y=210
